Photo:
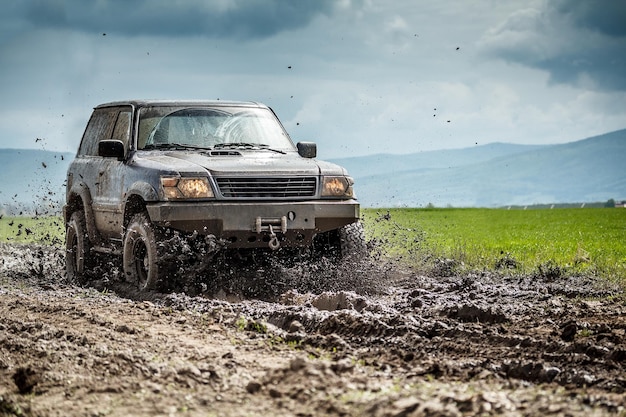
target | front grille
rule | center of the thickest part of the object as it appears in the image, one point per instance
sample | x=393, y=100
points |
x=273, y=187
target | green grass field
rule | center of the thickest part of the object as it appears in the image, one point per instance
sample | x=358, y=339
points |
x=558, y=241
x=44, y=230
x=579, y=241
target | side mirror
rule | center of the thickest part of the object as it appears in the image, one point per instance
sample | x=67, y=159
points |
x=112, y=148
x=307, y=149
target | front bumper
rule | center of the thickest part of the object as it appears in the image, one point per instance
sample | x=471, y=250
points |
x=250, y=224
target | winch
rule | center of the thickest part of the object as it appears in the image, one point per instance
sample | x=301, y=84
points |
x=268, y=225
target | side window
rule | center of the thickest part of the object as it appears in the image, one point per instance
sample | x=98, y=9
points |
x=122, y=127
x=99, y=127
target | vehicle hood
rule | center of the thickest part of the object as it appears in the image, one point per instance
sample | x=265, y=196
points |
x=243, y=163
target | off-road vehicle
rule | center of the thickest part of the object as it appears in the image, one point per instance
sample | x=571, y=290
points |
x=207, y=171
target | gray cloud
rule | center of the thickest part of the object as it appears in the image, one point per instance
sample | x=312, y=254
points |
x=605, y=16
x=578, y=43
x=239, y=19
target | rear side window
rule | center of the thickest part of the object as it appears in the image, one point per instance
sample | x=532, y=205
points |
x=122, y=127
x=100, y=127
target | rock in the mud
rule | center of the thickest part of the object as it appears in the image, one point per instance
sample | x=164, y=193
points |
x=296, y=327
x=253, y=387
x=26, y=378
x=569, y=331
x=295, y=332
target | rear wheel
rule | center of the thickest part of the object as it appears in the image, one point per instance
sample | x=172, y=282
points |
x=78, y=257
x=140, y=256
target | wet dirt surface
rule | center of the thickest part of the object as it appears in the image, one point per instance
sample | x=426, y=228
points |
x=307, y=340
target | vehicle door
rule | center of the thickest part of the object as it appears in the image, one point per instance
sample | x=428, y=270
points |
x=108, y=198
x=85, y=168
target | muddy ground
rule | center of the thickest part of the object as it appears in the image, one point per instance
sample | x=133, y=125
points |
x=307, y=339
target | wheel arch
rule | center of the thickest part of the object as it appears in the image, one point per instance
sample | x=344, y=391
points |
x=139, y=194
x=143, y=189
x=79, y=198
x=135, y=204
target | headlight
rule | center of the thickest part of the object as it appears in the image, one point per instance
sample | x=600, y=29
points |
x=337, y=187
x=176, y=188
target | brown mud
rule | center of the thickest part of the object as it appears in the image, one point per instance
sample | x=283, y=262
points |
x=307, y=339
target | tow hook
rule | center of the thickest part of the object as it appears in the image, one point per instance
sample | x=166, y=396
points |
x=268, y=225
x=274, y=243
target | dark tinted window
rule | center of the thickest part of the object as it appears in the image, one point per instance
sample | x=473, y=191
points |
x=122, y=127
x=99, y=127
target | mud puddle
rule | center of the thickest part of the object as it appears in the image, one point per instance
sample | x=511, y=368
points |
x=308, y=339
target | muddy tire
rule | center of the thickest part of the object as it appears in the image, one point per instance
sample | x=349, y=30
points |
x=346, y=242
x=141, y=254
x=352, y=241
x=78, y=257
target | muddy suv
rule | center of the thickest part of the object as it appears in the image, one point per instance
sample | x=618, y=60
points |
x=208, y=173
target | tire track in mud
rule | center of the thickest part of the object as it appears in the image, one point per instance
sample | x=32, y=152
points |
x=460, y=327
x=484, y=328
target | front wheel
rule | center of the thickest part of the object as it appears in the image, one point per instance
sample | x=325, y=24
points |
x=140, y=256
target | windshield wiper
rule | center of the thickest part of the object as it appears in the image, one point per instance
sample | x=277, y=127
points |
x=263, y=146
x=173, y=146
x=246, y=145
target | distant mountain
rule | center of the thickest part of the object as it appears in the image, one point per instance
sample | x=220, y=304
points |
x=383, y=164
x=498, y=174
x=495, y=175
x=32, y=180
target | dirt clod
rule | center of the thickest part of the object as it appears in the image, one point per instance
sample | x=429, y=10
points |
x=26, y=378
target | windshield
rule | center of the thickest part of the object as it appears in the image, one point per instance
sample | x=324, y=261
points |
x=210, y=127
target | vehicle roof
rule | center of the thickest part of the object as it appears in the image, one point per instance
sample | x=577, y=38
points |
x=186, y=103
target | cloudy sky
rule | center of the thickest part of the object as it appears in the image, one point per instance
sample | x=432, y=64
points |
x=356, y=76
